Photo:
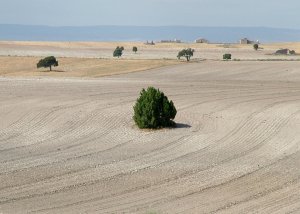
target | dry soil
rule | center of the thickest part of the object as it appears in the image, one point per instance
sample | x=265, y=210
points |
x=70, y=145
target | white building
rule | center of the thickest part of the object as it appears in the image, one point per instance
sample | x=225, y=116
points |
x=201, y=40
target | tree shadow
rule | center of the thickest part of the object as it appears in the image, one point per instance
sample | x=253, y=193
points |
x=58, y=71
x=182, y=126
x=48, y=71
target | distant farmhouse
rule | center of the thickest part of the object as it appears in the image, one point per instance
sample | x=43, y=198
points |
x=149, y=43
x=201, y=40
x=246, y=41
x=171, y=41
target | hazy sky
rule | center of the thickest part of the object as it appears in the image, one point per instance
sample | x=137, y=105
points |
x=269, y=13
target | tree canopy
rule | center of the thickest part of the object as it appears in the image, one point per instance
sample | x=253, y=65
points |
x=227, y=56
x=47, y=62
x=154, y=110
x=134, y=49
x=187, y=53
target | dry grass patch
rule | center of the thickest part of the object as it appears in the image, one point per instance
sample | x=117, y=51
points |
x=113, y=45
x=78, y=67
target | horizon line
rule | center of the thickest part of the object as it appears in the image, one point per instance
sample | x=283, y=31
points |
x=150, y=26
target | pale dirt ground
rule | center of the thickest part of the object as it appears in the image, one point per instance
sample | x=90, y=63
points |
x=158, y=51
x=69, y=145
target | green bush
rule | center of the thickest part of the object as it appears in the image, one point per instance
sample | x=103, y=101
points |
x=153, y=110
x=118, y=52
x=255, y=46
x=227, y=56
x=134, y=49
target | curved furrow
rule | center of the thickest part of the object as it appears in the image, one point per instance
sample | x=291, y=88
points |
x=94, y=182
x=257, y=194
x=75, y=126
x=240, y=125
x=241, y=151
x=41, y=120
x=143, y=187
x=159, y=198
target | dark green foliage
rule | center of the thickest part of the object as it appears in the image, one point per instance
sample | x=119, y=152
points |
x=255, y=46
x=134, y=49
x=187, y=53
x=118, y=52
x=47, y=62
x=153, y=110
x=227, y=56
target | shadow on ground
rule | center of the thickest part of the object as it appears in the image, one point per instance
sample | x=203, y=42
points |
x=182, y=126
x=48, y=71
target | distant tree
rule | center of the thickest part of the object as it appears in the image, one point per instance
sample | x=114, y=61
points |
x=255, y=46
x=47, y=62
x=227, y=56
x=134, y=49
x=118, y=52
x=187, y=53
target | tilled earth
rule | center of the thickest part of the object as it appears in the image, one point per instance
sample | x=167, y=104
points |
x=70, y=145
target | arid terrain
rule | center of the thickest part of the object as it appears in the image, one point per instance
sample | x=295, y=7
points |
x=159, y=51
x=69, y=145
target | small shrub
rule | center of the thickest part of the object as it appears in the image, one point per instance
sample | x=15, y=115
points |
x=255, y=46
x=134, y=49
x=227, y=56
x=153, y=110
x=118, y=52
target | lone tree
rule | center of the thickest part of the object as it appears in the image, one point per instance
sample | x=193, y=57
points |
x=153, y=110
x=118, y=52
x=187, y=53
x=134, y=49
x=255, y=46
x=47, y=62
